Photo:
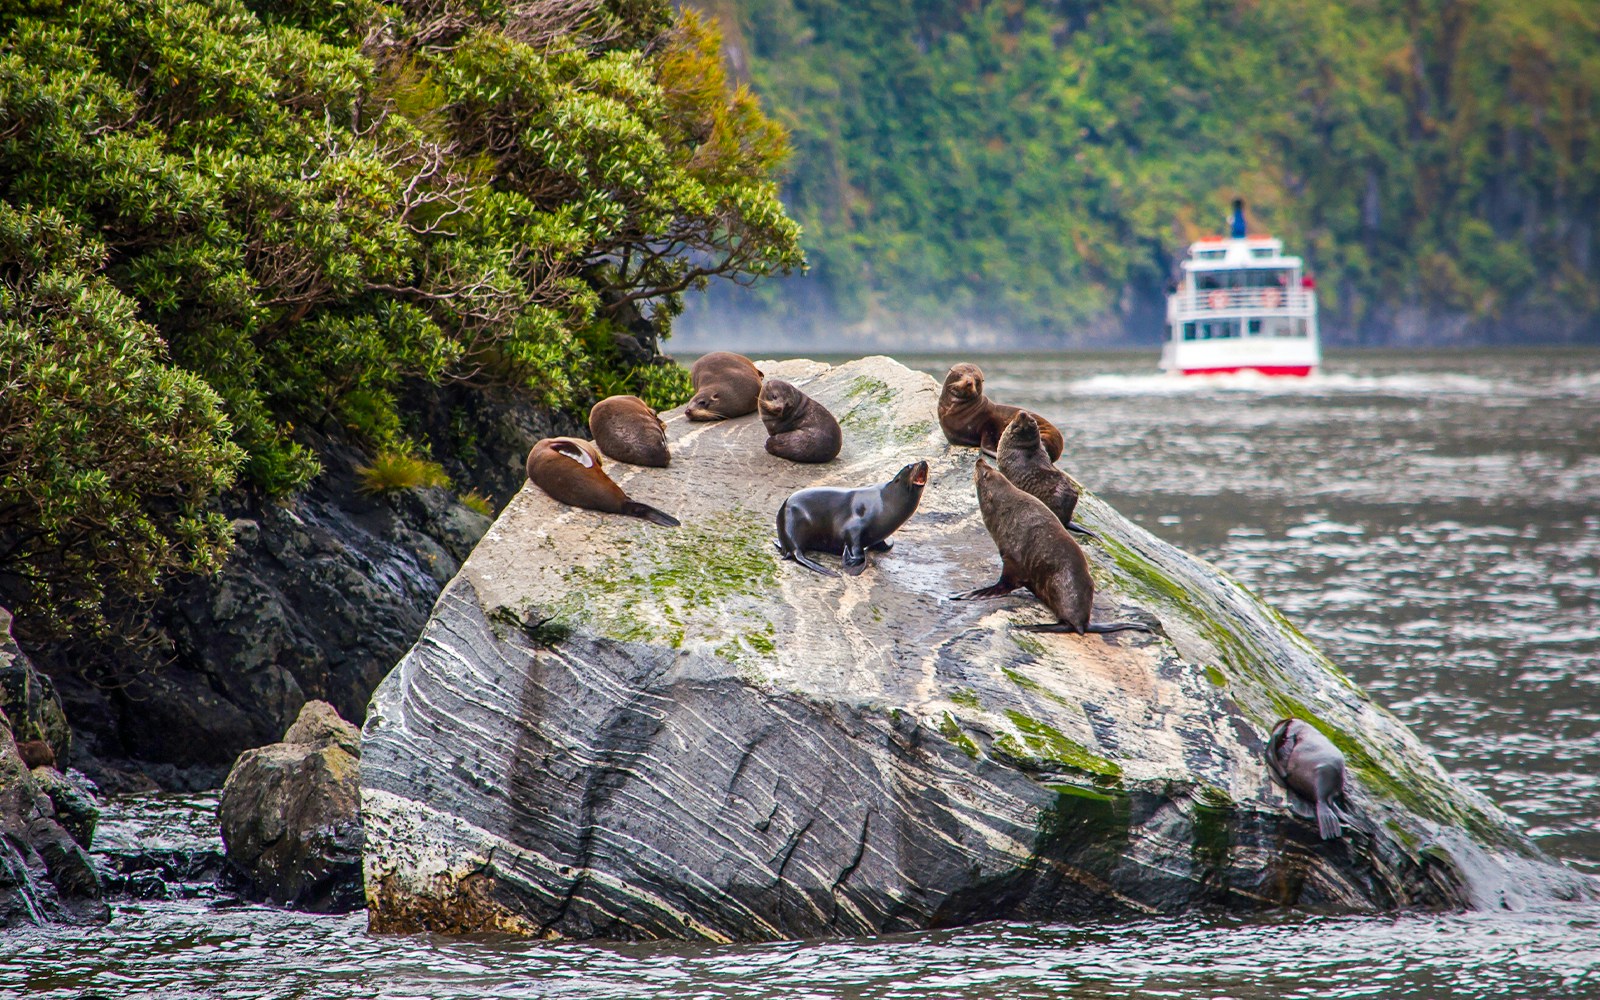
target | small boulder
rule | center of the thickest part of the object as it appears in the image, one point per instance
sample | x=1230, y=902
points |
x=291, y=817
x=77, y=806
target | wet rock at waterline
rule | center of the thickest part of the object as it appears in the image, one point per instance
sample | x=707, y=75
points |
x=45, y=875
x=611, y=729
x=291, y=818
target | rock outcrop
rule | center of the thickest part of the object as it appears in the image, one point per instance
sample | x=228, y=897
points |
x=291, y=818
x=46, y=875
x=29, y=700
x=614, y=729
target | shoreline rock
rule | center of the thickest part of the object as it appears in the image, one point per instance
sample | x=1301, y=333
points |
x=610, y=729
x=290, y=817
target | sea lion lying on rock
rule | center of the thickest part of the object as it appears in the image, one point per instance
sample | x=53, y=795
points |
x=848, y=523
x=1037, y=553
x=628, y=430
x=725, y=385
x=1311, y=769
x=799, y=428
x=970, y=418
x=570, y=471
x=1022, y=459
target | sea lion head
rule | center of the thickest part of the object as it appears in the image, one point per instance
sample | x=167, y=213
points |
x=704, y=405
x=1022, y=432
x=777, y=400
x=964, y=382
x=914, y=475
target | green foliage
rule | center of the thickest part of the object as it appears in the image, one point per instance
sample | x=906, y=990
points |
x=477, y=503
x=399, y=471
x=290, y=210
x=1029, y=166
x=109, y=455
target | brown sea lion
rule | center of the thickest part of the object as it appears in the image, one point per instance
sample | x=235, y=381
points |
x=570, y=471
x=725, y=385
x=1022, y=459
x=849, y=523
x=1311, y=769
x=798, y=427
x=968, y=417
x=1037, y=553
x=628, y=430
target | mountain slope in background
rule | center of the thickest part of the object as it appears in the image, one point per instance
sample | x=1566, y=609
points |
x=1017, y=174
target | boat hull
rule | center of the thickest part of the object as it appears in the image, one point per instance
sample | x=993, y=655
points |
x=1288, y=371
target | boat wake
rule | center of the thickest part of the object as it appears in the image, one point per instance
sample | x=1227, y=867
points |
x=1160, y=384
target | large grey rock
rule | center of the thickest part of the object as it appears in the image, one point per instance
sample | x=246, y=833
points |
x=45, y=875
x=291, y=816
x=613, y=729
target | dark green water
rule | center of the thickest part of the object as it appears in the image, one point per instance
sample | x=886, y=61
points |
x=1432, y=520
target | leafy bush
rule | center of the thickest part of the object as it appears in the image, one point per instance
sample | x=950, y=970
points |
x=109, y=456
x=398, y=471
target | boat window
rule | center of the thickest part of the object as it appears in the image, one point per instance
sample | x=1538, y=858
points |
x=1261, y=251
x=1255, y=327
x=1221, y=329
x=1188, y=331
x=1209, y=254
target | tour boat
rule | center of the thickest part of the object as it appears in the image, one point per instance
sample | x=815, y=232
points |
x=1241, y=305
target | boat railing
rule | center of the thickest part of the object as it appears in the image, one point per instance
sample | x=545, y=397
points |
x=1235, y=300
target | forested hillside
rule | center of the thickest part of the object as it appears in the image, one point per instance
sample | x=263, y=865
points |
x=1013, y=168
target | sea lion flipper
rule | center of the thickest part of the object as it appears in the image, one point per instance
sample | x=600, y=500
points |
x=1100, y=628
x=1079, y=529
x=649, y=513
x=1000, y=589
x=854, y=558
x=800, y=557
x=1328, y=821
x=881, y=546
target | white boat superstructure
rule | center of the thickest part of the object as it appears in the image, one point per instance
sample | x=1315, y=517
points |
x=1241, y=305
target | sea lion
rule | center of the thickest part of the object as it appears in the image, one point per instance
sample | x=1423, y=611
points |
x=1311, y=769
x=1037, y=553
x=628, y=430
x=848, y=523
x=725, y=385
x=1023, y=460
x=968, y=417
x=799, y=428
x=570, y=471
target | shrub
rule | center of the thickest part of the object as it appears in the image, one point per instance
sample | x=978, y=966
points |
x=399, y=471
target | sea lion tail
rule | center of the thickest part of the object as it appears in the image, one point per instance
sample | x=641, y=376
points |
x=1328, y=821
x=649, y=513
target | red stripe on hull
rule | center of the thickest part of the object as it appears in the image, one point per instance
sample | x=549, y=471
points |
x=1300, y=370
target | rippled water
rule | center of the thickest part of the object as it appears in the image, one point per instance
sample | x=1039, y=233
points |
x=1433, y=521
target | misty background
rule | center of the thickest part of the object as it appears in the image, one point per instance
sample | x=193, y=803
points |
x=1018, y=175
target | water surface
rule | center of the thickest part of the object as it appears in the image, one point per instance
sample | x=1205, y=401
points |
x=1432, y=521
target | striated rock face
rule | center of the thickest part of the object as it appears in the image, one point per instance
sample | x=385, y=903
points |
x=613, y=729
x=291, y=817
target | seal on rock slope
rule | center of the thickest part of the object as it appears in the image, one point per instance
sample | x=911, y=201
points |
x=799, y=428
x=848, y=522
x=1311, y=769
x=968, y=417
x=1023, y=460
x=725, y=385
x=628, y=430
x=1037, y=553
x=570, y=471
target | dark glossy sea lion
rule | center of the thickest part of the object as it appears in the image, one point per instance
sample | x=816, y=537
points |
x=1037, y=553
x=628, y=430
x=1311, y=769
x=798, y=427
x=725, y=385
x=968, y=417
x=848, y=523
x=570, y=471
x=1022, y=459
